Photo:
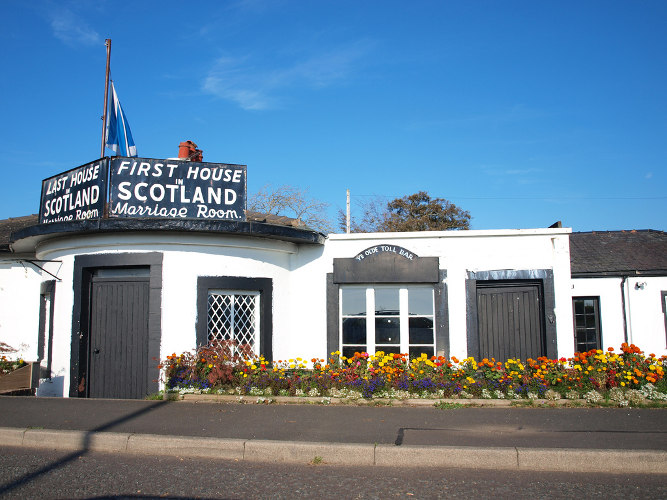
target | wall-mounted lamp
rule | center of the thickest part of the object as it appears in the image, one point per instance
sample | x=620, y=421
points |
x=640, y=286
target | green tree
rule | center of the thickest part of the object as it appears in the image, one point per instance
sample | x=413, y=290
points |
x=416, y=212
x=420, y=212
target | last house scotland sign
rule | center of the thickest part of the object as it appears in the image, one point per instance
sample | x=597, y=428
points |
x=77, y=194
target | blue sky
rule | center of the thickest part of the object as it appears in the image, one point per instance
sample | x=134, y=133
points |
x=522, y=112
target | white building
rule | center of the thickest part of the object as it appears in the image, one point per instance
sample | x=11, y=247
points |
x=99, y=302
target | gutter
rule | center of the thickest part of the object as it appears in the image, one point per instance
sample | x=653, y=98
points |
x=624, y=280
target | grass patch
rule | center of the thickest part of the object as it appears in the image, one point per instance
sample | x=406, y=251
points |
x=444, y=405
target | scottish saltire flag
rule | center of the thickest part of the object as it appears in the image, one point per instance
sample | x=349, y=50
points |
x=119, y=137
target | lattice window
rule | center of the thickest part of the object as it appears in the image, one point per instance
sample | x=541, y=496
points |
x=234, y=316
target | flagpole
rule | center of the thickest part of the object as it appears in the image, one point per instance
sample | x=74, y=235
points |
x=107, y=42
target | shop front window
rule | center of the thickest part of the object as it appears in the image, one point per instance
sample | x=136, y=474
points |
x=392, y=319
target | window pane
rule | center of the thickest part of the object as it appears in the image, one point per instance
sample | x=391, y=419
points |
x=388, y=349
x=415, y=352
x=421, y=330
x=387, y=331
x=578, y=306
x=349, y=350
x=354, y=301
x=420, y=301
x=354, y=331
x=386, y=301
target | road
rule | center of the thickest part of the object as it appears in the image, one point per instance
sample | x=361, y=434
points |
x=590, y=428
x=26, y=473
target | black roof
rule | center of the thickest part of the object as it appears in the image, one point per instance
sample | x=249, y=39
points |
x=11, y=225
x=284, y=228
x=618, y=253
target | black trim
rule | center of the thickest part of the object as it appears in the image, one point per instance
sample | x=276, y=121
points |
x=546, y=276
x=333, y=309
x=256, y=229
x=663, y=298
x=619, y=274
x=386, y=267
x=84, y=266
x=441, y=316
x=265, y=288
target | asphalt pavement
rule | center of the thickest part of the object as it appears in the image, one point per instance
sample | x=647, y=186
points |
x=619, y=440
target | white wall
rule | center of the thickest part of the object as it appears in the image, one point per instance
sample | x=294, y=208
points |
x=299, y=285
x=185, y=257
x=646, y=319
x=459, y=252
x=643, y=310
x=19, y=307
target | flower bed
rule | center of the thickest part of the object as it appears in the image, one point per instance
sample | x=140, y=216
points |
x=10, y=365
x=624, y=378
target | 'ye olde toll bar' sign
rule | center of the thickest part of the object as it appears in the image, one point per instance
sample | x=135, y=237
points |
x=77, y=194
x=145, y=188
x=148, y=188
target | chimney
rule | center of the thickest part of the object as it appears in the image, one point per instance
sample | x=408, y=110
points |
x=188, y=151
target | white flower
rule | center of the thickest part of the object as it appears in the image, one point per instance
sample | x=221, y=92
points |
x=593, y=397
x=552, y=395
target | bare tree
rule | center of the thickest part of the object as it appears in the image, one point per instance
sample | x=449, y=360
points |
x=294, y=202
x=373, y=216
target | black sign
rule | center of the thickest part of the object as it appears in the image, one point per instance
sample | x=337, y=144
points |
x=378, y=249
x=77, y=194
x=174, y=189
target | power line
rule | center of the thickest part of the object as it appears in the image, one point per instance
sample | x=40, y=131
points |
x=533, y=198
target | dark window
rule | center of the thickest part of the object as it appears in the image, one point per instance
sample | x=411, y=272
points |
x=238, y=309
x=587, y=333
x=387, y=318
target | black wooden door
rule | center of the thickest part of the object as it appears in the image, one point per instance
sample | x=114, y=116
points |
x=510, y=321
x=118, y=345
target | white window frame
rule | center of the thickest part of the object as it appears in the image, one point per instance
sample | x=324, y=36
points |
x=404, y=316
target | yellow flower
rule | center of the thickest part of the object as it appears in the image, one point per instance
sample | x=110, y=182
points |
x=210, y=366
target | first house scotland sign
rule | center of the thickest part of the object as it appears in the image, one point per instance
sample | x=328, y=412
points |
x=148, y=188
x=145, y=188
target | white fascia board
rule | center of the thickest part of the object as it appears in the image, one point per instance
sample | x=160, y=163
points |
x=466, y=233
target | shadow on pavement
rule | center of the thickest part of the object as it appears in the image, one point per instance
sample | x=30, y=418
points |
x=73, y=456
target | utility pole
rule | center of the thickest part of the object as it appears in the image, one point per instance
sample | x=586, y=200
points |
x=347, y=219
x=107, y=42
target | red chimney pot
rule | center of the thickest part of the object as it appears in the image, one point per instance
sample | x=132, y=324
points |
x=187, y=150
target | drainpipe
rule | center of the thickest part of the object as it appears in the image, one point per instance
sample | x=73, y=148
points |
x=624, y=280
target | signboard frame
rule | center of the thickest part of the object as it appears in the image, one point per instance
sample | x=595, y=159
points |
x=76, y=194
x=176, y=189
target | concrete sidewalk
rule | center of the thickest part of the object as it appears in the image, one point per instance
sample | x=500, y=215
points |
x=563, y=439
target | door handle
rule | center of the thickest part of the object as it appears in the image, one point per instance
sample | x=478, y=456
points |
x=96, y=351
